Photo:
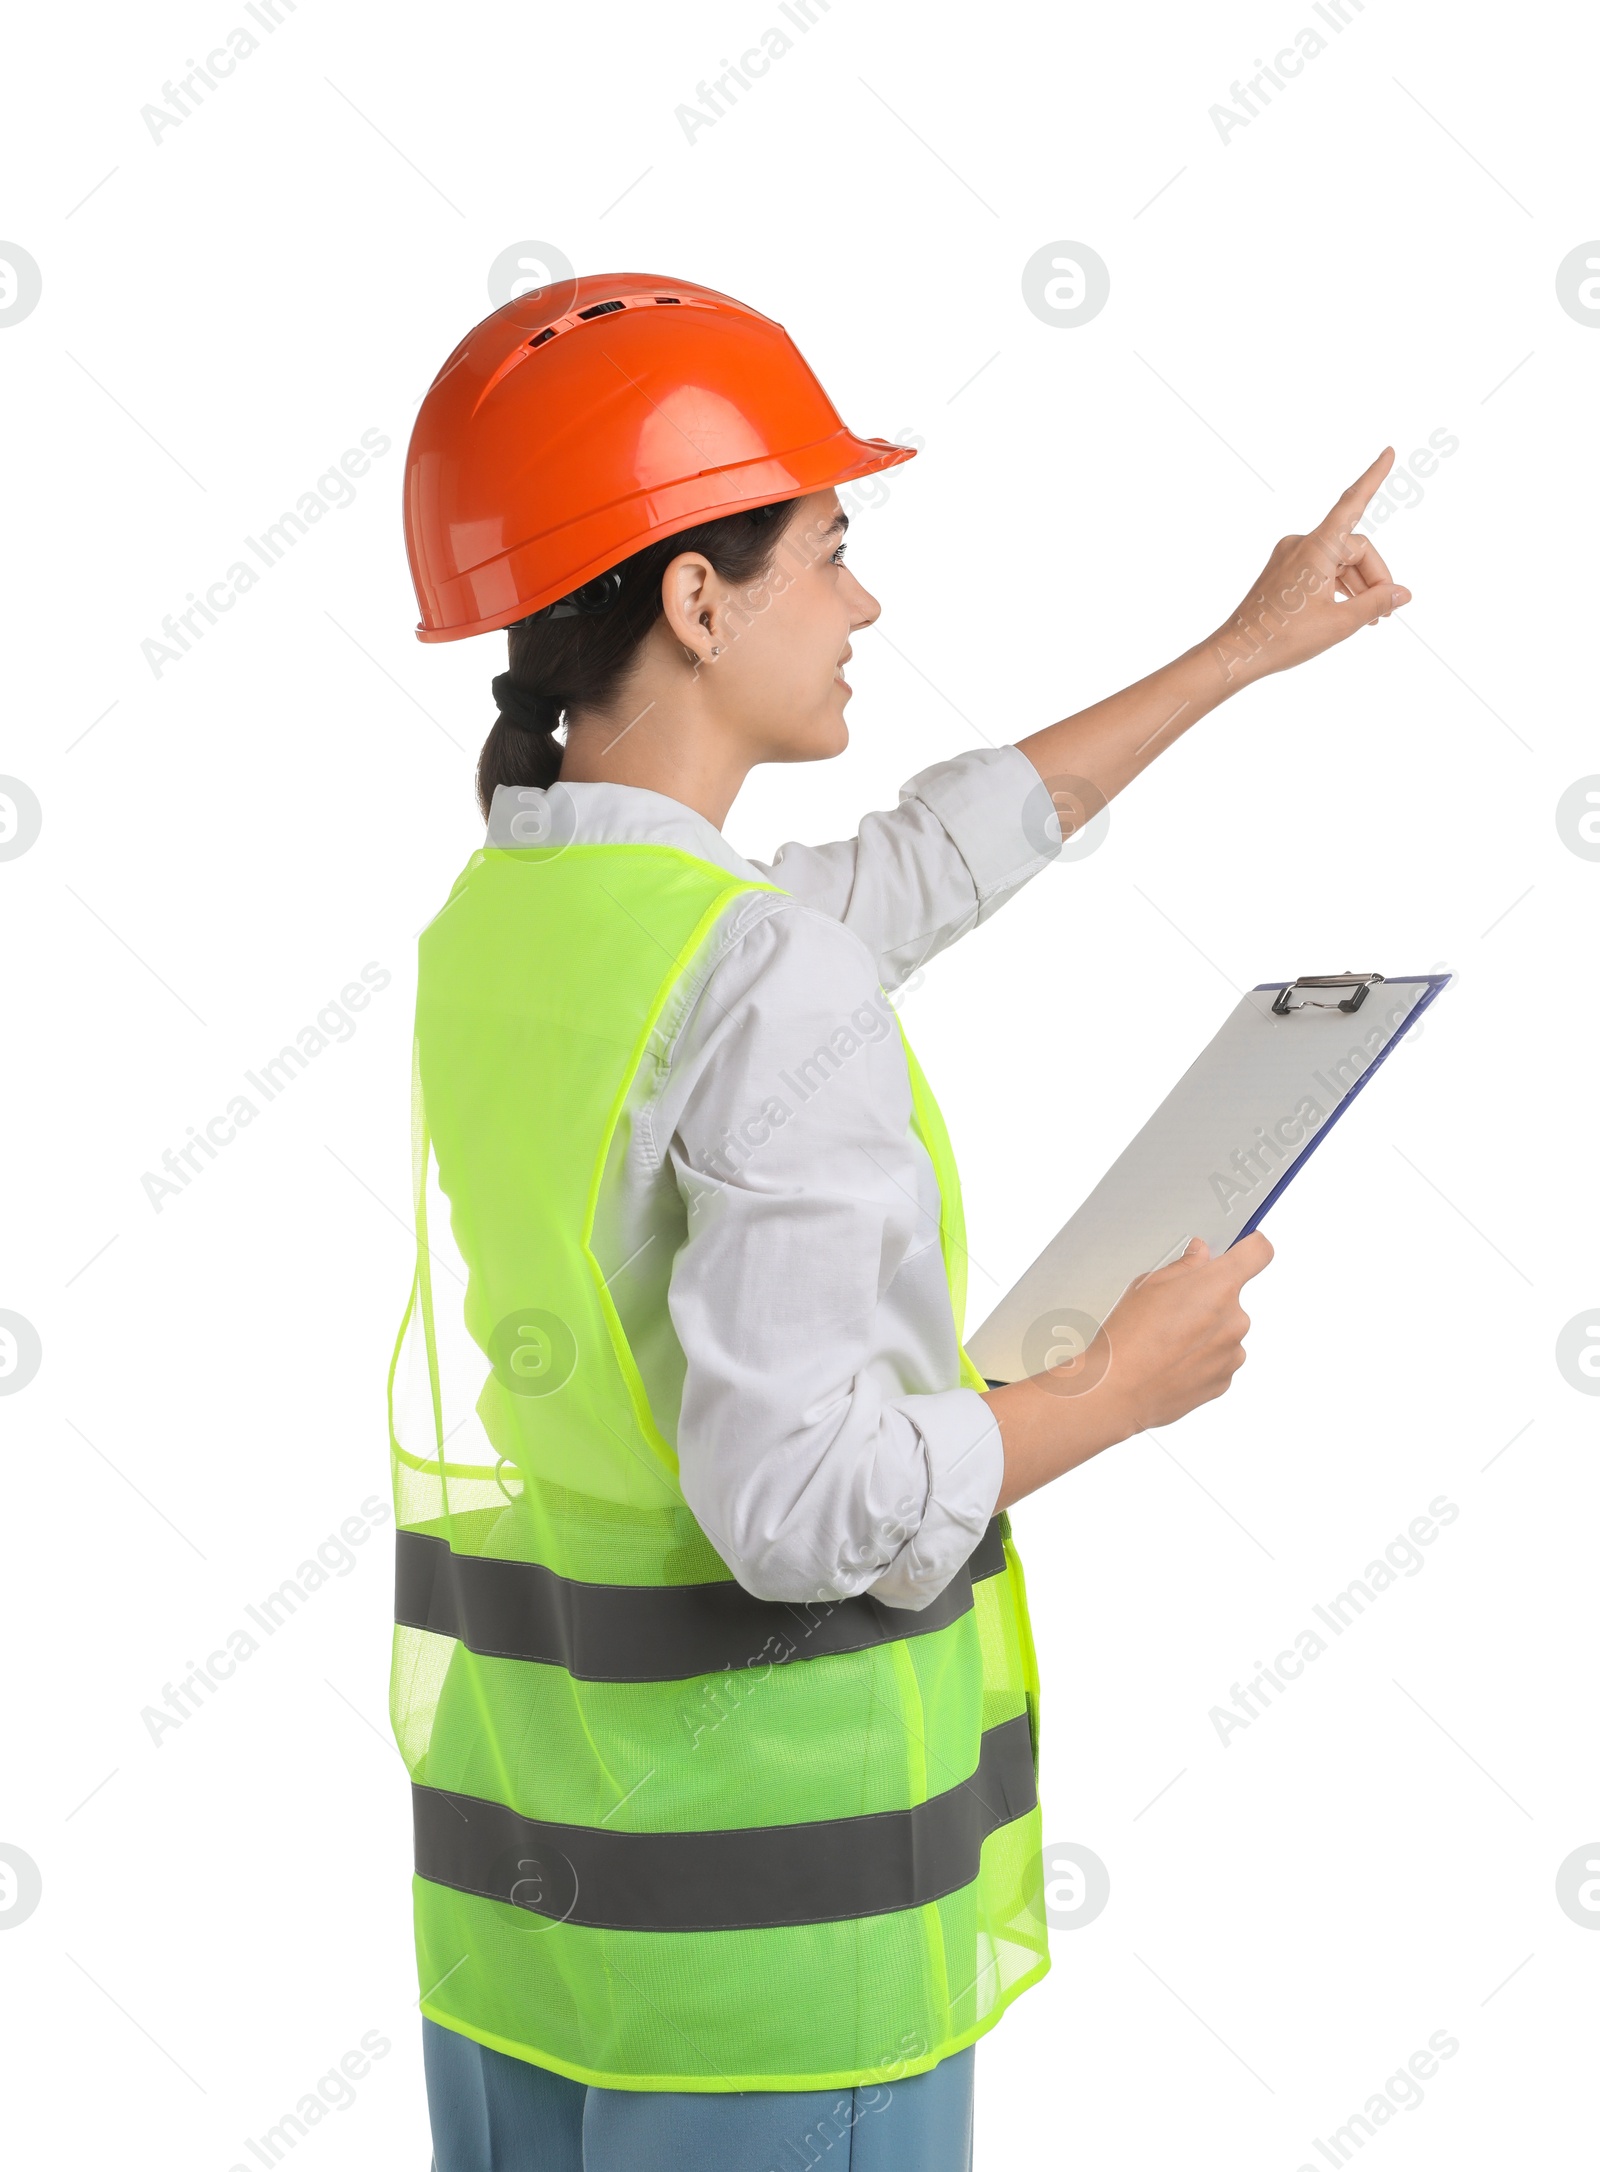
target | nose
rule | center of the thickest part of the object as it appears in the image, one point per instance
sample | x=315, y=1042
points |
x=864, y=606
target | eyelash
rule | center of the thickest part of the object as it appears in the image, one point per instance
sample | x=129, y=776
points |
x=838, y=556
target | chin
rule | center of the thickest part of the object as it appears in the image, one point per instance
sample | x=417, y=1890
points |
x=817, y=740
x=834, y=735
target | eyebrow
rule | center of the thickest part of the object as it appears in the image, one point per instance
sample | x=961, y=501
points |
x=839, y=520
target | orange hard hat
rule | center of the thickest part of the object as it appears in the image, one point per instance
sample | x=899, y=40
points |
x=588, y=417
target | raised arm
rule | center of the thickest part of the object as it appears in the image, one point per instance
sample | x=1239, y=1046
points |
x=917, y=876
x=1315, y=590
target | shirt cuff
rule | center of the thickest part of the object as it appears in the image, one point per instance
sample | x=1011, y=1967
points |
x=960, y=1441
x=999, y=814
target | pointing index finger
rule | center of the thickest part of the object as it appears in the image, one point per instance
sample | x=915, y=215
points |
x=1350, y=507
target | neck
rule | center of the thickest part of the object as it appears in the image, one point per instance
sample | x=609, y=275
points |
x=665, y=743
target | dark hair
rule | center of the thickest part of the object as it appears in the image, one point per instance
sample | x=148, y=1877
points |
x=581, y=656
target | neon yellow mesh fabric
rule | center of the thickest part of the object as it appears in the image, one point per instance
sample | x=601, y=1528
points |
x=522, y=1434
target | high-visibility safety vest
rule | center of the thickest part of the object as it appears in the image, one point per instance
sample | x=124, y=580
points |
x=668, y=1835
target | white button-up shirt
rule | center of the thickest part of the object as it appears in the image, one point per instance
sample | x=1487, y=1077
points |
x=767, y=1224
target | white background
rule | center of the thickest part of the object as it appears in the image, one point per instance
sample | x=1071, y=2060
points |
x=1371, y=259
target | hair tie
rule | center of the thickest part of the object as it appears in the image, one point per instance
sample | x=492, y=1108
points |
x=528, y=711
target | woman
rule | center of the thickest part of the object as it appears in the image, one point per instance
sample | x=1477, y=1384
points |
x=713, y=1670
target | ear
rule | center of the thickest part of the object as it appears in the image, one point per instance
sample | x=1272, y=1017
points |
x=689, y=592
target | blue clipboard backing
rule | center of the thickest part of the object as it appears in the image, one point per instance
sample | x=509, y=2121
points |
x=1434, y=982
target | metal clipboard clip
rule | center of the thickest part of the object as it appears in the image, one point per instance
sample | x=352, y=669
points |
x=1360, y=984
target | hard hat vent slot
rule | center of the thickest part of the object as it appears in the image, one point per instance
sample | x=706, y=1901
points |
x=600, y=309
x=566, y=324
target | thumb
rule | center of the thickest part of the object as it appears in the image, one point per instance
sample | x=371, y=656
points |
x=1378, y=602
x=1194, y=1253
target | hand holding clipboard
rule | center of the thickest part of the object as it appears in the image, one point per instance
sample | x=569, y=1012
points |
x=1236, y=1129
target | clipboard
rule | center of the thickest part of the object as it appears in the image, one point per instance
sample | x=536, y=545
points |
x=1235, y=1131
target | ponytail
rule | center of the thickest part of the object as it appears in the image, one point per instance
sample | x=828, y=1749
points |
x=522, y=747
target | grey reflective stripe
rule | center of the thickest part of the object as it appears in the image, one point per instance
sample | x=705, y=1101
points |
x=758, y=1877
x=649, y=1632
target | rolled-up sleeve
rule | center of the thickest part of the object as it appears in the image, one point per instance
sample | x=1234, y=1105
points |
x=967, y=834
x=824, y=1443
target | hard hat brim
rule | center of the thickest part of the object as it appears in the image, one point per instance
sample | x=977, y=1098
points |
x=505, y=588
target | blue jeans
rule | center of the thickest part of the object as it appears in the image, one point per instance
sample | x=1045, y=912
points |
x=492, y=2113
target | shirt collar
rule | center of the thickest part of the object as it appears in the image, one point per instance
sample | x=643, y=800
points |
x=610, y=814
